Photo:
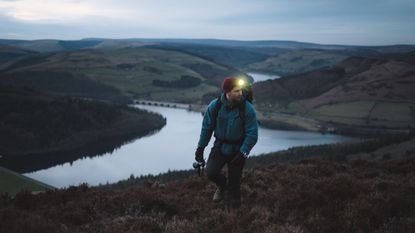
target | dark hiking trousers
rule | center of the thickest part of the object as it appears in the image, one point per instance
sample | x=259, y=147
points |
x=232, y=183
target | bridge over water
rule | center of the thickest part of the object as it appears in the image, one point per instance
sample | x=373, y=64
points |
x=162, y=104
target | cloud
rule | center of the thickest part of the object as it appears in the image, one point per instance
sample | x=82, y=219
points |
x=41, y=11
x=324, y=21
x=156, y=10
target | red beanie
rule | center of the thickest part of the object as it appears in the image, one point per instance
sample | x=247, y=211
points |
x=229, y=83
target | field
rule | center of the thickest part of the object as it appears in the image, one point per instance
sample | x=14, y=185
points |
x=355, y=113
x=297, y=61
x=290, y=121
x=137, y=69
x=367, y=113
x=393, y=115
x=132, y=71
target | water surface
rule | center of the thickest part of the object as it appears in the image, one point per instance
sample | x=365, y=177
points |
x=171, y=148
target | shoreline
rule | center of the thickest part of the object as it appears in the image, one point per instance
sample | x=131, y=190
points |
x=195, y=108
x=371, y=149
x=294, y=122
x=84, y=144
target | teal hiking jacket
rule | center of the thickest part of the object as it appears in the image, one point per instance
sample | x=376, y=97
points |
x=229, y=127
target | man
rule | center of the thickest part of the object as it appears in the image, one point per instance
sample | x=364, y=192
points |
x=235, y=128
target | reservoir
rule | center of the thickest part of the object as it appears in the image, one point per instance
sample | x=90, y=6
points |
x=171, y=148
x=262, y=77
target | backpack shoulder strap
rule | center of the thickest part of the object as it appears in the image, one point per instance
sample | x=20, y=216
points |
x=242, y=110
x=215, y=112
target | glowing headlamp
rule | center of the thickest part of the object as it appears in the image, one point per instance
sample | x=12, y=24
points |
x=241, y=82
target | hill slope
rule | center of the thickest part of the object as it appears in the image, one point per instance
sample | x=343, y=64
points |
x=9, y=53
x=60, y=45
x=297, y=61
x=45, y=46
x=135, y=72
x=13, y=183
x=312, y=196
x=231, y=56
x=357, y=92
x=35, y=125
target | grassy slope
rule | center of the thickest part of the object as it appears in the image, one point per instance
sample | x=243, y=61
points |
x=132, y=71
x=231, y=56
x=303, y=59
x=368, y=113
x=9, y=53
x=14, y=183
x=297, y=61
x=381, y=96
x=356, y=92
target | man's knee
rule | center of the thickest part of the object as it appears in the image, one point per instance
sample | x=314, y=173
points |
x=212, y=174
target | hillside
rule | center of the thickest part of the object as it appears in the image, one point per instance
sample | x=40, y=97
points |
x=13, y=183
x=46, y=46
x=312, y=196
x=41, y=45
x=297, y=61
x=45, y=130
x=61, y=45
x=231, y=56
x=35, y=45
x=9, y=53
x=365, y=92
x=370, y=79
x=134, y=72
x=298, y=190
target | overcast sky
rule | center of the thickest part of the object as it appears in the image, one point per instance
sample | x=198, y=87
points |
x=353, y=22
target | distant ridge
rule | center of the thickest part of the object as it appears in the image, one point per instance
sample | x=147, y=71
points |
x=49, y=45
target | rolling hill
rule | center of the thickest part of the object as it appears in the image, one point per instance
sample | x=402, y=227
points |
x=272, y=56
x=297, y=61
x=10, y=53
x=366, y=92
x=231, y=56
x=356, y=86
x=259, y=46
x=36, y=125
x=111, y=74
x=60, y=45
x=45, y=46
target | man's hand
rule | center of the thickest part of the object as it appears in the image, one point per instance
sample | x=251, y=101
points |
x=199, y=154
x=238, y=160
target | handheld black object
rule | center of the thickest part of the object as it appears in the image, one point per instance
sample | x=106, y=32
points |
x=200, y=166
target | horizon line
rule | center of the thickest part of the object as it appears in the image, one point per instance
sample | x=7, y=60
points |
x=206, y=39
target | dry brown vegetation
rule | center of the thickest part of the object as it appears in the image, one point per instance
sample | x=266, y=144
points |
x=311, y=196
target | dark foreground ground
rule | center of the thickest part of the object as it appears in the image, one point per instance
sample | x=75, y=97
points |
x=311, y=196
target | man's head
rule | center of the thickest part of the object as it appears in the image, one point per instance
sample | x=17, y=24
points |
x=232, y=88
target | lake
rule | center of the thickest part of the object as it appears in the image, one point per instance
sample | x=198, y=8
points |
x=171, y=148
x=262, y=77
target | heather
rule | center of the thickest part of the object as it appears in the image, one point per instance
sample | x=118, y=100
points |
x=310, y=196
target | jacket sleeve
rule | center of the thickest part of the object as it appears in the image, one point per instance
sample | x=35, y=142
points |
x=207, y=130
x=251, y=130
